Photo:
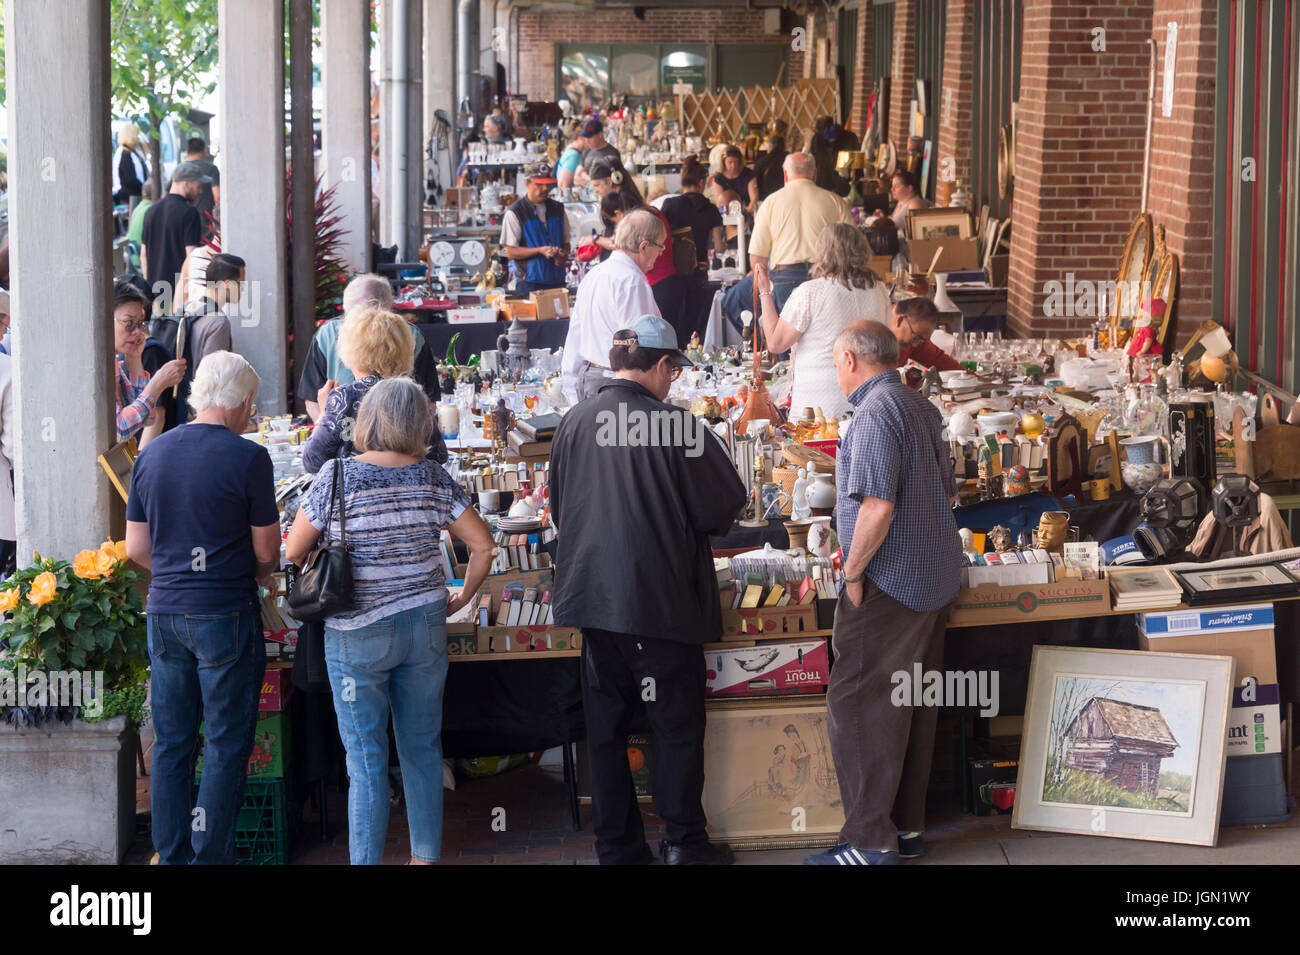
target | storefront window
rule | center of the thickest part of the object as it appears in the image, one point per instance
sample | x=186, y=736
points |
x=585, y=78
x=681, y=66
x=634, y=74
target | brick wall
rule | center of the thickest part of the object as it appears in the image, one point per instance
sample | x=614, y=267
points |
x=1082, y=122
x=864, y=70
x=1182, y=154
x=902, y=82
x=540, y=29
x=955, y=117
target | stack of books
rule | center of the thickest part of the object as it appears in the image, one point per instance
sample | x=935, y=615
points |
x=531, y=437
x=1149, y=588
x=520, y=606
x=524, y=551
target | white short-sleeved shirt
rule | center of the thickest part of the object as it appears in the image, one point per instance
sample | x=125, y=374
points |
x=609, y=297
x=821, y=309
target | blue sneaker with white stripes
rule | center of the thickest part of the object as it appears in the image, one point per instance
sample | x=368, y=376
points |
x=845, y=854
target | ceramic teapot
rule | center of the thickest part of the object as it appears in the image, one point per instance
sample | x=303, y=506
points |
x=821, y=492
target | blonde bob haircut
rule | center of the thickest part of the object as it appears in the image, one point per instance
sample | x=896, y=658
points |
x=223, y=380
x=394, y=416
x=842, y=255
x=374, y=341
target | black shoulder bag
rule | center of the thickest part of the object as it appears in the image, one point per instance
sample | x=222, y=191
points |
x=323, y=587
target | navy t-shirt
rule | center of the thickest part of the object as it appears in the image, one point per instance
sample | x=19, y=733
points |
x=202, y=486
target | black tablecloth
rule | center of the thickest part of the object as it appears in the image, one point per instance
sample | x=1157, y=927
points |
x=492, y=708
x=476, y=337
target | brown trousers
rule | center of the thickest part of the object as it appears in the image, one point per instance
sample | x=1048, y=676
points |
x=882, y=752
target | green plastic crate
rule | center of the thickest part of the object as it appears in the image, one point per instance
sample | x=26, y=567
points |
x=265, y=822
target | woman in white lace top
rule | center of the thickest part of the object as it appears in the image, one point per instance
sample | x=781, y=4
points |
x=842, y=290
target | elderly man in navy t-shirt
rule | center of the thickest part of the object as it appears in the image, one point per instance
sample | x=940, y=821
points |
x=202, y=517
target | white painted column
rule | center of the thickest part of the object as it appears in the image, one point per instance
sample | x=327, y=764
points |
x=487, y=52
x=59, y=236
x=440, y=78
x=252, y=118
x=345, y=121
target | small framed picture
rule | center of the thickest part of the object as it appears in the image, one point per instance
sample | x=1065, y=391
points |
x=939, y=223
x=117, y=462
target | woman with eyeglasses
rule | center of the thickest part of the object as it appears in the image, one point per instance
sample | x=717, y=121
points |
x=137, y=391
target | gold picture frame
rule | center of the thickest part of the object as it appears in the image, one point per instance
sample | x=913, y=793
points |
x=117, y=462
x=1129, y=278
x=939, y=223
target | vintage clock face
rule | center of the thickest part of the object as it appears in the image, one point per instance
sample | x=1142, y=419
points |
x=471, y=253
x=441, y=254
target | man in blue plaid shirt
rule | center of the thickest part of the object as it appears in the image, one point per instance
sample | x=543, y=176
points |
x=902, y=570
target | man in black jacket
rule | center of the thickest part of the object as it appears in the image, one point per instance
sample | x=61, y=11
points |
x=637, y=487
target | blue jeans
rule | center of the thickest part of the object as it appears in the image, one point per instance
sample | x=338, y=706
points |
x=400, y=662
x=202, y=667
x=740, y=296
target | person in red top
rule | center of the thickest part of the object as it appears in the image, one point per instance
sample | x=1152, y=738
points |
x=914, y=321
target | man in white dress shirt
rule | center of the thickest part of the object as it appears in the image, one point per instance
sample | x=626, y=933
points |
x=610, y=296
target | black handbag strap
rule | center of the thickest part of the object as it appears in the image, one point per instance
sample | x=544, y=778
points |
x=336, y=489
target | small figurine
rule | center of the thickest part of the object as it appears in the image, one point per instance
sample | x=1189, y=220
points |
x=799, y=509
x=693, y=349
x=832, y=429
x=967, y=540
x=1016, y=479
x=999, y=539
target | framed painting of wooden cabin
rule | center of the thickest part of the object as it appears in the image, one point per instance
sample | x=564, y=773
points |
x=1124, y=743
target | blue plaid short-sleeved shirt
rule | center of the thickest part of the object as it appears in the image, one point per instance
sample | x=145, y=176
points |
x=893, y=450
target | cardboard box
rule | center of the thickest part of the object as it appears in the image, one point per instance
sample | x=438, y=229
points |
x=1243, y=633
x=270, y=746
x=991, y=604
x=551, y=303
x=641, y=760
x=1255, y=725
x=1007, y=575
x=768, y=669
x=751, y=622
x=276, y=688
x=957, y=254
x=518, y=308
x=999, y=266
x=473, y=314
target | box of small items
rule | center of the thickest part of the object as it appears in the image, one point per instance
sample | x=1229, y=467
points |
x=515, y=615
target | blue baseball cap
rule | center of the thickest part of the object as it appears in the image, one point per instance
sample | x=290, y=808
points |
x=651, y=331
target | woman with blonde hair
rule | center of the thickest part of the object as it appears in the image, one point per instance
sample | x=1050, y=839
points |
x=841, y=290
x=388, y=651
x=130, y=167
x=374, y=344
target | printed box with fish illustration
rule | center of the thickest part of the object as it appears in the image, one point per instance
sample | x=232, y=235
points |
x=768, y=670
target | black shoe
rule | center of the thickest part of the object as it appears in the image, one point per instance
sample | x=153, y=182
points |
x=694, y=853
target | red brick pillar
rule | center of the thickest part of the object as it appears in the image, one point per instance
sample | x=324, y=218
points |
x=863, y=69
x=1082, y=124
x=954, y=99
x=902, y=83
x=1182, y=154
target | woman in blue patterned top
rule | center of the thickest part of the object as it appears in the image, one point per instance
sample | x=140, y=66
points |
x=374, y=344
x=390, y=650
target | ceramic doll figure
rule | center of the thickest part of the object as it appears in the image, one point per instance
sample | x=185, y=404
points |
x=799, y=510
x=1145, y=339
x=967, y=540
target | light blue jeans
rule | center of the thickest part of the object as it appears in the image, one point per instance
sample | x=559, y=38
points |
x=400, y=662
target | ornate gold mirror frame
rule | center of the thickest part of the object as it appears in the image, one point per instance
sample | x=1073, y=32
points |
x=1129, y=279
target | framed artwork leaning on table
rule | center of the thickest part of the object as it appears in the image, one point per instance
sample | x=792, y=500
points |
x=1124, y=743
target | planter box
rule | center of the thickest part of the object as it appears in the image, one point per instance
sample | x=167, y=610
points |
x=67, y=792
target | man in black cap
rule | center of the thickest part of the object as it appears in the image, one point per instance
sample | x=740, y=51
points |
x=535, y=234
x=598, y=149
x=173, y=228
x=637, y=487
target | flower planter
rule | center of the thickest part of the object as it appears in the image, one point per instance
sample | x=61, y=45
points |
x=67, y=792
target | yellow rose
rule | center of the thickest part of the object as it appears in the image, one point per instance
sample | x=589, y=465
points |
x=115, y=549
x=9, y=599
x=105, y=562
x=43, y=589
x=86, y=565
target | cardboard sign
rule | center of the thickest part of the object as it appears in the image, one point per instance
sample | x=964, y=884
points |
x=772, y=668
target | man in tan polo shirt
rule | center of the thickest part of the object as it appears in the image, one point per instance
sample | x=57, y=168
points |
x=786, y=229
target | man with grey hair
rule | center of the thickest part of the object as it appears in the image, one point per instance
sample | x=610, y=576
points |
x=201, y=517
x=609, y=297
x=323, y=371
x=786, y=229
x=902, y=568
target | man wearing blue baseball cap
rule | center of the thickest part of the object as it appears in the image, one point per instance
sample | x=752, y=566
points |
x=535, y=234
x=637, y=487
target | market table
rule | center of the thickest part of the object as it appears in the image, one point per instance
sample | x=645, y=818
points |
x=476, y=337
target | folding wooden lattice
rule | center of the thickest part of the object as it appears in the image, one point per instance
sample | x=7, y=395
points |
x=725, y=111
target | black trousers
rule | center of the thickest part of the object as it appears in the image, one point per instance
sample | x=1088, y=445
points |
x=671, y=295
x=622, y=675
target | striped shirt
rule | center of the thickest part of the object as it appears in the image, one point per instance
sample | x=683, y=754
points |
x=133, y=406
x=894, y=451
x=395, y=518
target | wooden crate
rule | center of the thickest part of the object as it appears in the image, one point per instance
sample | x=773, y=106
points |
x=746, y=624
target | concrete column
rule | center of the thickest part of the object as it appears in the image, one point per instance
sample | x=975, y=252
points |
x=385, y=121
x=415, y=137
x=251, y=78
x=487, y=56
x=59, y=223
x=345, y=121
x=401, y=148
x=440, y=79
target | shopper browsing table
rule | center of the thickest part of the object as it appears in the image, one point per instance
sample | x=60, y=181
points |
x=388, y=653
x=634, y=570
x=736, y=178
x=201, y=516
x=597, y=150
x=842, y=290
x=535, y=234
x=608, y=297
x=914, y=322
x=902, y=567
x=138, y=392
